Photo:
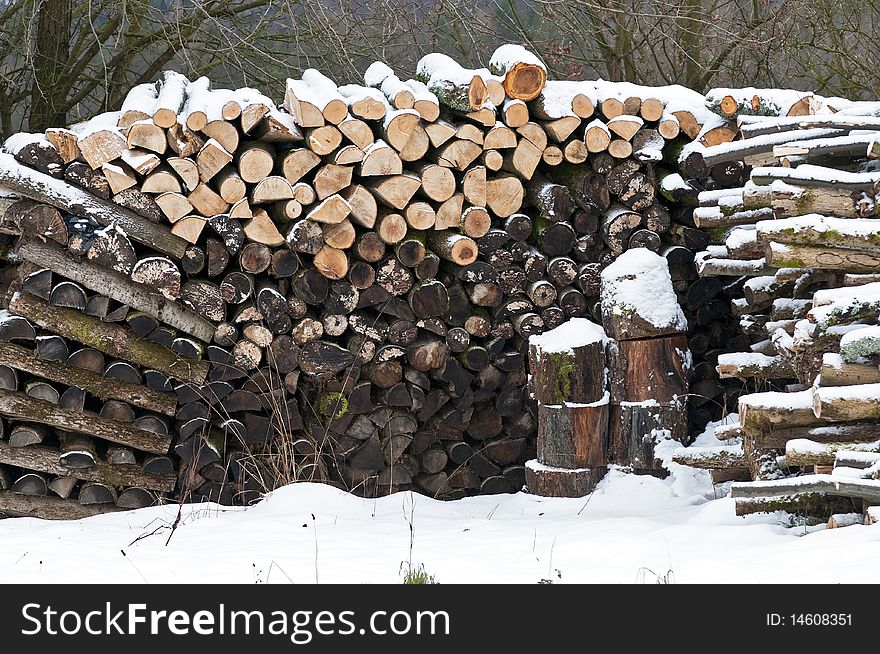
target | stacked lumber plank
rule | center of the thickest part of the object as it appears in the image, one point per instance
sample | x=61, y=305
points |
x=340, y=287
x=801, y=239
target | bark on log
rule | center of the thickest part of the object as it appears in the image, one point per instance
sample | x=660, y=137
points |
x=107, y=337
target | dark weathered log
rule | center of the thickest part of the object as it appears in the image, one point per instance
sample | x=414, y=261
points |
x=576, y=374
x=560, y=482
x=650, y=369
x=18, y=405
x=571, y=436
x=48, y=508
x=40, y=187
x=634, y=427
x=118, y=287
x=110, y=338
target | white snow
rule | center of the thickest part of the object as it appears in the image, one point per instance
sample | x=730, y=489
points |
x=777, y=100
x=439, y=68
x=376, y=73
x=766, y=141
x=741, y=236
x=858, y=227
x=16, y=142
x=508, y=55
x=321, y=89
x=820, y=174
x=598, y=124
x=351, y=93
x=557, y=96
x=573, y=333
x=743, y=359
x=630, y=528
x=778, y=400
x=864, y=292
x=639, y=281
x=675, y=182
x=102, y=122
x=140, y=98
x=534, y=464
x=421, y=93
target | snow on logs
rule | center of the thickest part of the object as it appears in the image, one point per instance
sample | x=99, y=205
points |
x=360, y=269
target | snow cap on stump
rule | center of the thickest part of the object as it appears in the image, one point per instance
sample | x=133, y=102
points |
x=569, y=335
x=638, y=300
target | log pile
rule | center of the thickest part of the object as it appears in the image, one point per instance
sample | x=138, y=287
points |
x=801, y=239
x=341, y=287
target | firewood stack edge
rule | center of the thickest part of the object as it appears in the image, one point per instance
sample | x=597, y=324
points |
x=211, y=294
x=797, y=249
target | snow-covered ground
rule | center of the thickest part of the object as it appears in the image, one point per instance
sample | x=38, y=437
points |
x=632, y=529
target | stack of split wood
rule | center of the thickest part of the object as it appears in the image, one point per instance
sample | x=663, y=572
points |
x=339, y=288
x=802, y=240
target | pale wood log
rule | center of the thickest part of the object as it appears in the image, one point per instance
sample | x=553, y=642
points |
x=277, y=127
x=211, y=159
x=330, y=179
x=340, y=236
x=391, y=228
x=453, y=247
x=224, y=132
x=837, y=372
x=793, y=255
x=206, y=201
x=21, y=407
x=45, y=459
x=453, y=85
x=148, y=136
x=186, y=169
x=524, y=159
x=504, y=195
x=295, y=164
x=394, y=191
x=49, y=508
x=844, y=403
x=271, y=189
x=189, y=228
x=261, y=229
x=362, y=205
x=229, y=185
x=449, y=213
x=119, y=176
x=40, y=187
x=65, y=142
x=514, y=113
x=170, y=98
x=331, y=263
x=348, y=155
x=831, y=485
x=97, y=384
x=457, y=153
x=357, y=131
x=333, y=210
x=323, y=140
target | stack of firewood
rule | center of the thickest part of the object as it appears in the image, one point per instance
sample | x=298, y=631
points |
x=803, y=235
x=340, y=288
